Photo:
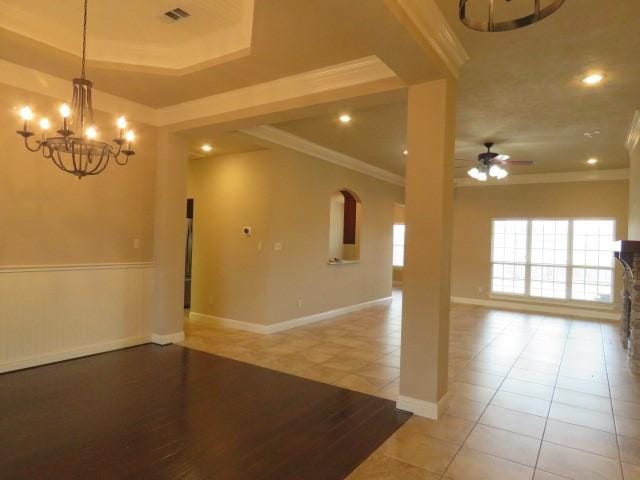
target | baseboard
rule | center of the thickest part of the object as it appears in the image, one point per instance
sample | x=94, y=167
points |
x=284, y=325
x=532, y=307
x=422, y=407
x=167, y=339
x=78, y=352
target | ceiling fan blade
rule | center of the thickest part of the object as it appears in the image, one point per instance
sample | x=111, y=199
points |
x=502, y=157
x=517, y=162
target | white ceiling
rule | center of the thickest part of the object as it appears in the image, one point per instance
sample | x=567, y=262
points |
x=137, y=32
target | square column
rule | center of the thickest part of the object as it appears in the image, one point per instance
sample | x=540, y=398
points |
x=426, y=283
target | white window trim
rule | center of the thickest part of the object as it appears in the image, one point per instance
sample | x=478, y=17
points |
x=568, y=301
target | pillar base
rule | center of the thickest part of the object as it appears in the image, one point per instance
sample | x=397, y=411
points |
x=423, y=408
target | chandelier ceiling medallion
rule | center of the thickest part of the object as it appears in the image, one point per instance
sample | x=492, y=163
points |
x=76, y=149
x=487, y=23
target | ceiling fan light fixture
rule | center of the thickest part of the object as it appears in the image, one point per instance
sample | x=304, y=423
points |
x=474, y=172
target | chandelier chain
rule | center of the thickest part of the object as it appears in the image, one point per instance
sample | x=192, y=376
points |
x=84, y=38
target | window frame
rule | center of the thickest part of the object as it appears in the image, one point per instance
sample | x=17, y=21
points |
x=568, y=300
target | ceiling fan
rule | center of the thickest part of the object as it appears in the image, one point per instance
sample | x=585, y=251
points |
x=490, y=164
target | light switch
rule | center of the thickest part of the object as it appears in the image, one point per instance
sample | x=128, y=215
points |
x=136, y=243
x=277, y=246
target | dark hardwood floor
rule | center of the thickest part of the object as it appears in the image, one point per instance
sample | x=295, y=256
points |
x=171, y=412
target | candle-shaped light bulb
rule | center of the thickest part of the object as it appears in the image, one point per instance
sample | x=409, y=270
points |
x=26, y=114
x=44, y=124
x=65, y=111
x=91, y=133
x=130, y=136
x=121, y=123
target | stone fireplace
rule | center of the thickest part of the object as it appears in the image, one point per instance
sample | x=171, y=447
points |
x=628, y=254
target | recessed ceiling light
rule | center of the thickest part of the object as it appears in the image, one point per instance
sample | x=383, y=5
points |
x=406, y=152
x=593, y=79
x=206, y=147
x=592, y=161
x=345, y=118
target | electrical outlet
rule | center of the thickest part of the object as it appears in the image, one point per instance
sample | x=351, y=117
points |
x=259, y=246
x=136, y=243
x=211, y=300
x=277, y=246
x=299, y=303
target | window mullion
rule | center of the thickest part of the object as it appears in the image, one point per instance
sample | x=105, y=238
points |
x=569, y=296
x=527, y=268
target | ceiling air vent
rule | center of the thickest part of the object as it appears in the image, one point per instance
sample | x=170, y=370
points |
x=177, y=14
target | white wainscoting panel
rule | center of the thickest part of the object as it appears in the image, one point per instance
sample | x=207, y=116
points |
x=53, y=313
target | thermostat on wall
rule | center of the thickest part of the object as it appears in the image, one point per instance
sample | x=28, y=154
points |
x=246, y=231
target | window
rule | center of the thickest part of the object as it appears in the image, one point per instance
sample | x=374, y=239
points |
x=398, y=245
x=556, y=259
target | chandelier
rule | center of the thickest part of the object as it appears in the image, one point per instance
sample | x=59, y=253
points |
x=76, y=149
x=488, y=24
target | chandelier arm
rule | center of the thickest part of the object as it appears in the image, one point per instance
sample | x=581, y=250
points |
x=32, y=149
x=93, y=162
x=46, y=150
x=118, y=161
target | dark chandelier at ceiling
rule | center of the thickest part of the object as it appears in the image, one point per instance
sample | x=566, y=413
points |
x=76, y=149
x=487, y=23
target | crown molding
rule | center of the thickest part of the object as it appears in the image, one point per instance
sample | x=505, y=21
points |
x=429, y=22
x=286, y=139
x=343, y=75
x=559, y=177
x=633, y=138
x=55, y=87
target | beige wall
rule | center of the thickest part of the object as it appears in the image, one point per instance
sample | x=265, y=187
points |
x=475, y=207
x=50, y=217
x=284, y=196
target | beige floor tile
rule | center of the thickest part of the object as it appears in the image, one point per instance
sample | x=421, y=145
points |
x=348, y=364
x=514, y=421
x=473, y=465
x=522, y=403
x=627, y=409
x=629, y=450
x=321, y=373
x=481, y=379
x=582, y=438
x=360, y=383
x=542, y=475
x=536, y=390
x=472, y=392
x=381, y=467
x=631, y=472
x=585, y=386
x=464, y=408
x=501, y=443
x=420, y=451
x=382, y=372
x=532, y=376
x=448, y=428
x=584, y=400
x=577, y=465
x=389, y=391
x=627, y=427
x=582, y=417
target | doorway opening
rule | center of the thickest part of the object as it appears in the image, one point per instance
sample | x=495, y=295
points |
x=188, y=255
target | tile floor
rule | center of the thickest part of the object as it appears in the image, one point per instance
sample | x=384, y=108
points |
x=531, y=396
